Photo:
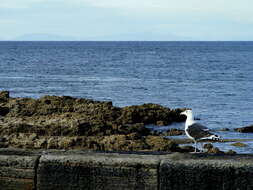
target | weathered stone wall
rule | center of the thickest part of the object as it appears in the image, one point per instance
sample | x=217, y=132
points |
x=97, y=171
x=18, y=170
x=76, y=170
x=230, y=173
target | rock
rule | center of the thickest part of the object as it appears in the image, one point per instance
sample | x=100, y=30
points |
x=155, y=133
x=33, y=136
x=150, y=114
x=215, y=150
x=4, y=111
x=212, y=150
x=133, y=136
x=173, y=132
x=133, y=128
x=4, y=96
x=248, y=129
x=161, y=123
x=3, y=142
x=161, y=144
x=120, y=143
x=66, y=142
x=21, y=140
x=224, y=129
x=4, y=145
x=40, y=143
x=239, y=144
x=231, y=152
x=208, y=146
x=63, y=122
x=130, y=142
x=3, y=139
x=52, y=143
x=187, y=148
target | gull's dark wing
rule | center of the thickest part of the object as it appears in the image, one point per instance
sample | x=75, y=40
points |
x=198, y=131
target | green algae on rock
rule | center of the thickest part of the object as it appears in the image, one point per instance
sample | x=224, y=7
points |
x=239, y=144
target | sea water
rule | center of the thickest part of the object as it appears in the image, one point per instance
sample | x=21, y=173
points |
x=215, y=79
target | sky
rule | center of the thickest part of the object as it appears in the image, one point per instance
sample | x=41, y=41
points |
x=163, y=20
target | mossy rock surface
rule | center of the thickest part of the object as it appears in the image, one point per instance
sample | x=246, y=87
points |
x=239, y=144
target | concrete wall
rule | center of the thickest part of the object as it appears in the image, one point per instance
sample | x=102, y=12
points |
x=86, y=170
x=225, y=174
x=97, y=171
x=18, y=170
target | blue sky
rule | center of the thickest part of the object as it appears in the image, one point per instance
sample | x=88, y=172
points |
x=126, y=20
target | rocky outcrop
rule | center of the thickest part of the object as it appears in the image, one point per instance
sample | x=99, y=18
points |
x=4, y=96
x=63, y=122
x=248, y=129
x=130, y=142
x=173, y=132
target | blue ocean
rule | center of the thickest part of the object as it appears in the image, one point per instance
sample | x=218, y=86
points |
x=215, y=79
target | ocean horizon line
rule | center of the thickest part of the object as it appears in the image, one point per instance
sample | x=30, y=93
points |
x=126, y=40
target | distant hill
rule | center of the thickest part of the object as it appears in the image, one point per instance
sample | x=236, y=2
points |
x=141, y=36
x=44, y=37
x=126, y=36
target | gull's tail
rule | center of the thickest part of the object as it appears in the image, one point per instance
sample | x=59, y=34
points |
x=213, y=138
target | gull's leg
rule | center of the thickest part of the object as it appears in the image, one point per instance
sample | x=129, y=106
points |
x=195, y=146
x=202, y=148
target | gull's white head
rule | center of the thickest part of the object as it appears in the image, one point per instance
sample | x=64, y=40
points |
x=187, y=113
x=189, y=117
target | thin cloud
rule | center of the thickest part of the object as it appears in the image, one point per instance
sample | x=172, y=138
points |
x=233, y=10
x=171, y=5
x=21, y=4
x=7, y=21
x=217, y=18
x=229, y=7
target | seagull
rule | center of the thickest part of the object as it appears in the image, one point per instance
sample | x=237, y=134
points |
x=196, y=131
